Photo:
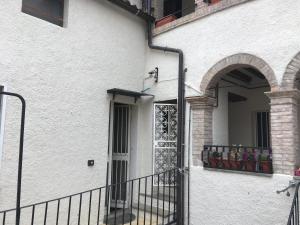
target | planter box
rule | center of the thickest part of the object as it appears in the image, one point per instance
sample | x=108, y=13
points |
x=214, y=163
x=236, y=165
x=266, y=166
x=297, y=172
x=226, y=164
x=165, y=20
x=250, y=166
x=215, y=1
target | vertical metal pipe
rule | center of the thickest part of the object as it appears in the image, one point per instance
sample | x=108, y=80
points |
x=79, y=210
x=32, y=215
x=145, y=200
x=151, y=199
x=20, y=162
x=116, y=201
x=164, y=185
x=139, y=193
x=180, y=124
x=99, y=205
x=57, y=212
x=107, y=206
x=90, y=207
x=46, y=213
x=157, y=202
x=3, y=220
x=131, y=202
x=69, y=210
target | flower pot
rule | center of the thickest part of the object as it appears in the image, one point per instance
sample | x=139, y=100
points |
x=235, y=165
x=297, y=172
x=226, y=164
x=214, y=1
x=214, y=163
x=165, y=20
x=250, y=166
x=265, y=166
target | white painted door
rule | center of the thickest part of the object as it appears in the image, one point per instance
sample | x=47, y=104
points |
x=120, y=155
x=165, y=140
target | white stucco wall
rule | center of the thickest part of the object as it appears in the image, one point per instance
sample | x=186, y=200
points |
x=220, y=198
x=267, y=29
x=64, y=73
x=252, y=27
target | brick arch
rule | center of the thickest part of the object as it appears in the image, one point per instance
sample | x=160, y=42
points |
x=291, y=73
x=233, y=62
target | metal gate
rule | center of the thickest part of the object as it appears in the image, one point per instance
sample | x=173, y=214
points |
x=120, y=155
x=165, y=140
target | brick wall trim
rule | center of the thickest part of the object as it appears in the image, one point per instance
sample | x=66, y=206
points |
x=284, y=130
x=291, y=73
x=199, y=13
x=233, y=62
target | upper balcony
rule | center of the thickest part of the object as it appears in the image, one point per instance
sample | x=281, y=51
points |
x=170, y=14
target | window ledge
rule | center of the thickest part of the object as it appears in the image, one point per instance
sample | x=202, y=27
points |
x=199, y=13
x=238, y=172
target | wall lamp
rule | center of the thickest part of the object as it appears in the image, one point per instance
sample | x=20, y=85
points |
x=154, y=74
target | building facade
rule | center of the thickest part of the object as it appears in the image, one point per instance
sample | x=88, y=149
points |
x=95, y=91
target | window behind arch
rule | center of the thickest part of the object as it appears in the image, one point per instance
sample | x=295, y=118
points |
x=49, y=10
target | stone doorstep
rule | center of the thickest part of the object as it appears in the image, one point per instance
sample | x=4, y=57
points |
x=160, y=197
x=155, y=210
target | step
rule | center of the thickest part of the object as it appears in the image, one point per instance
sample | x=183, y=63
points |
x=163, y=197
x=155, y=210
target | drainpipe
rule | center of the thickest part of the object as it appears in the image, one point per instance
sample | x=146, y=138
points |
x=181, y=123
x=181, y=100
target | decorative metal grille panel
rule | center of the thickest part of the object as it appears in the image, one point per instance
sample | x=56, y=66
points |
x=165, y=140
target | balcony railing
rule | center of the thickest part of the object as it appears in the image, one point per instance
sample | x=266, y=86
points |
x=239, y=158
x=135, y=202
x=294, y=213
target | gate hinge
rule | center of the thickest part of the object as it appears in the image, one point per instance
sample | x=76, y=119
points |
x=185, y=170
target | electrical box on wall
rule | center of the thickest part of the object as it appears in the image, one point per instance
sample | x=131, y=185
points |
x=91, y=162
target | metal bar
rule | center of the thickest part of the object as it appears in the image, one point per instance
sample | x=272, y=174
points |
x=145, y=200
x=116, y=201
x=32, y=215
x=90, y=205
x=174, y=197
x=46, y=212
x=107, y=206
x=99, y=205
x=131, y=196
x=294, y=213
x=79, y=210
x=157, y=205
x=151, y=199
x=139, y=193
x=163, y=213
x=4, y=217
x=57, y=213
x=21, y=144
x=169, y=208
x=123, y=218
x=69, y=210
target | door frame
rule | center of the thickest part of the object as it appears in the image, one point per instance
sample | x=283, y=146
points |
x=110, y=149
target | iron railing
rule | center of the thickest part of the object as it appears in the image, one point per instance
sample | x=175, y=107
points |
x=240, y=158
x=294, y=213
x=136, y=202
